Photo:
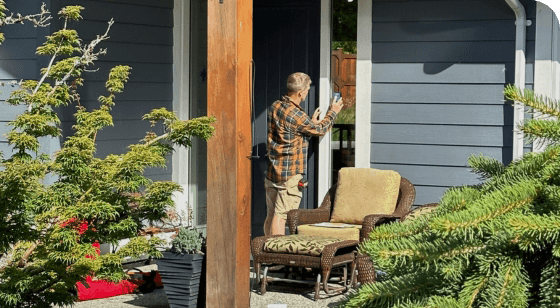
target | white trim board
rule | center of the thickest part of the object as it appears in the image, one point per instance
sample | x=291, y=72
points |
x=363, y=84
x=325, y=89
x=181, y=47
x=547, y=69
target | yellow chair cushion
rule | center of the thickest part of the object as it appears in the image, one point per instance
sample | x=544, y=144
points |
x=299, y=244
x=364, y=191
x=352, y=232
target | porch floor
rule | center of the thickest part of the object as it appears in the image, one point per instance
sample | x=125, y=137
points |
x=294, y=295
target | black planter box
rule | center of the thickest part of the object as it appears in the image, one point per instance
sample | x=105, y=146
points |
x=181, y=275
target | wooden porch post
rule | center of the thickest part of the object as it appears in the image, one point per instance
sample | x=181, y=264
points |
x=230, y=42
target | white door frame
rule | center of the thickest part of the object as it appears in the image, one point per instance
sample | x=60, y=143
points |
x=325, y=90
x=363, y=90
x=363, y=85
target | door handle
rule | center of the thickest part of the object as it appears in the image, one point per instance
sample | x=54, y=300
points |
x=256, y=156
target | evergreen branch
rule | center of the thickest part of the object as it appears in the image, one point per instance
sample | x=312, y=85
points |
x=536, y=229
x=541, y=130
x=433, y=302
x=489, y=207
x=549, y=292
x=507, y=280
x=486, y=167
x=506, y=284
x=456, y=199
x=395, y=291
x=533, y=166
x=393, y=231
x=540, y=103
x=471, y=291
x=492, y=245
x=423, y=250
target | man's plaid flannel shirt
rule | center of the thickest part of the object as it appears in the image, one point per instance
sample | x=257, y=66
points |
x=288, y=127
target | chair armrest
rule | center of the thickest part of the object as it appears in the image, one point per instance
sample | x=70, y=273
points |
x=303, y=217
x=370, y=221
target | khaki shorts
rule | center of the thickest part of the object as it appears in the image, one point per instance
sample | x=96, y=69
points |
x=282, y=197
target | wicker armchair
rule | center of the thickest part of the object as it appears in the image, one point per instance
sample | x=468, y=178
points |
x=298, y=217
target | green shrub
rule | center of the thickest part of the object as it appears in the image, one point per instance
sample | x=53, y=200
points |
x=349, y=47
x=51, y=228
x=346, y=116
x=187, y=241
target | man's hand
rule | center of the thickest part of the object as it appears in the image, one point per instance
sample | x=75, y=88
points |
x=337, y=106
x=316, y=115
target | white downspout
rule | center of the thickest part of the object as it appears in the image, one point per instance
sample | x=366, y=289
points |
x=520, y=39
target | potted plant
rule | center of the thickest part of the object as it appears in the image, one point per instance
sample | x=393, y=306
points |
x=181, y=269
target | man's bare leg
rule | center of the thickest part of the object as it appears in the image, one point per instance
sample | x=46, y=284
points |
x=278, y=226
x=268, y=225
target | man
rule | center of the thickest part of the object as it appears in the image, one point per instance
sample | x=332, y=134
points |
x=288, y=129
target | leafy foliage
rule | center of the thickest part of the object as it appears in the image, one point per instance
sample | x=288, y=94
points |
x=187, y=241
x=50, y=229
x=346, y=116
x=345, y=20
x=496, y=244
x=348, y=47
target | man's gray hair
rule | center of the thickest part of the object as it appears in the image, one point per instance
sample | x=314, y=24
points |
x=297, y=82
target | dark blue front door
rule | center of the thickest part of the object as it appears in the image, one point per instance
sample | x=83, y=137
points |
x=285, y=40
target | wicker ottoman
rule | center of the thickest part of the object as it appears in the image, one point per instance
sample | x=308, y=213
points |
x=314, y=252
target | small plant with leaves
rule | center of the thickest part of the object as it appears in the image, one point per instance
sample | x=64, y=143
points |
x=50, y=229
x=188, y=241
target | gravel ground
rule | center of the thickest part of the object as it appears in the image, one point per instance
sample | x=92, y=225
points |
x=295, y=295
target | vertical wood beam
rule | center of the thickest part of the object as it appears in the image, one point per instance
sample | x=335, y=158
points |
x=230, y=41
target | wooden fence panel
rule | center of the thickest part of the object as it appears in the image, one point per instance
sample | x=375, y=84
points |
x=343, y=74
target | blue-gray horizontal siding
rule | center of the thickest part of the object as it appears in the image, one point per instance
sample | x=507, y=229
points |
x=128, y=12
x=444, y=10
x=142, y=38
x=454, y=73
x=438, y=71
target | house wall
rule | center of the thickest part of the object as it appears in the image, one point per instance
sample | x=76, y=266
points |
x=438, y=70
x=142, y=38
x=18, y=61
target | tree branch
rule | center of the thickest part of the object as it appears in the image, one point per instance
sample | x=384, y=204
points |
x=23, y=261
x=88, y=56
x=39, y=19
x=47, y=73
x=156, y=139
